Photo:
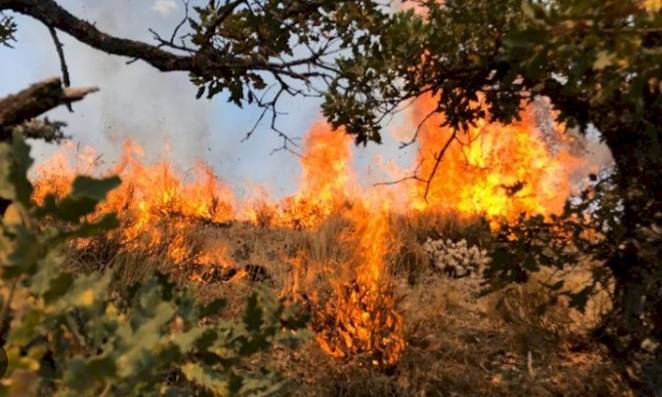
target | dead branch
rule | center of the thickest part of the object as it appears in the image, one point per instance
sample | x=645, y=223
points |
x=36, y=100
x=60, y=53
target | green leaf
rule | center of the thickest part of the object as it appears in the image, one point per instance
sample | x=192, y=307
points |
x=603, y=60
x=185, y=341
x=253, y=314
x=528, y=10
x=58, y=287
x=206, y=378
x=18, y=171
x=81, y=375
x=525, y=38
x=86, y=193
x=145, y=339
x=85, y=186
x=201, y=92
x=6, y=187
x=213, y=307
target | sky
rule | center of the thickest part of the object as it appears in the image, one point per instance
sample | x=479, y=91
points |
x=158, y=109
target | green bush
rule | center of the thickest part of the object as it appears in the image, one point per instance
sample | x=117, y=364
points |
x=71, y=334
x=592, y=230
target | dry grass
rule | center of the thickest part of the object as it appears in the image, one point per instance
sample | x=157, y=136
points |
x=454, y=348
x=457, y=344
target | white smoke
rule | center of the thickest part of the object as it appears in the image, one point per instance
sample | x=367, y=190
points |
x=136, y=101
x=152, y=108
x=164, y=7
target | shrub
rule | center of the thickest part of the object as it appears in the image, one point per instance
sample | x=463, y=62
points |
x=70, y=334
x=592, y=229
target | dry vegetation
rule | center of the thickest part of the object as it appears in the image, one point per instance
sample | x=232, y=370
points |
x=457, y=343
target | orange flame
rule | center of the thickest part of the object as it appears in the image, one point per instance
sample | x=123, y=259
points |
x=360, y=318
x=155, y=203
x=495, y=170
x=326, y=181
x=492, y=170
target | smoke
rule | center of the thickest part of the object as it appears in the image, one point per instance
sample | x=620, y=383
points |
x=164, y=7
x=136, y=101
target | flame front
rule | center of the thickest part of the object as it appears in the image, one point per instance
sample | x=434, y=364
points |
x=326, y=182
x=155, y=204
x=492, y=170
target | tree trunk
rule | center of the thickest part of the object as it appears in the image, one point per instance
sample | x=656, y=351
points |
x=636, y=262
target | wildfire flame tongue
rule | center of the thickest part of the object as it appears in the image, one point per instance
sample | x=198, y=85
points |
x=360, y=318
x=327, y=180
x=492, y=170
x=495, y=170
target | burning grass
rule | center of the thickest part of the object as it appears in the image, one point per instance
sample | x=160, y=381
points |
x=354, y=258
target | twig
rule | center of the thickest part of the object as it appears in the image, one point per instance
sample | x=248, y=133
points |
x=66, y=81
x=427, y=181
x=414, y=176
x=437, y=161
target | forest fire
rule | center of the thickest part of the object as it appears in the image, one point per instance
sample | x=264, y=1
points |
x=155, y=203
x=493, y=171
x=326, y=182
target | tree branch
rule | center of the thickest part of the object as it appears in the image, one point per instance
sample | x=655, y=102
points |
x=427, y=180
x=63, y=62
x=437, y=160
x=37, y=99
x=51, y=14
x=204, y=62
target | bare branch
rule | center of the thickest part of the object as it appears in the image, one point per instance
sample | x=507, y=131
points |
x=418, y=129
x=437, y=160
x=415, y=176
x=52, y=14
x=208, y=60
x=63, y=62
x=37, y=99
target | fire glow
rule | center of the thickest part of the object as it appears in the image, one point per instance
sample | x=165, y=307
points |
x=493, y=171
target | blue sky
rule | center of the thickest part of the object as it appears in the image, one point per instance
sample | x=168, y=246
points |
x=153, y=108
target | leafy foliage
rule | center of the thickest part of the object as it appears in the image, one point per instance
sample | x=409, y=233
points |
x=71, y=334
x=598, y=62
x=7, y=30
x=265, y=44
x=590, y=230
x=484, y=58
